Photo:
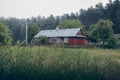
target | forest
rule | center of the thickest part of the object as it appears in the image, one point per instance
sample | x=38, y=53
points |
x=87, y=17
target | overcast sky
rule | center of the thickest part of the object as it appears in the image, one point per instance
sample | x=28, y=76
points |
x=28, y=8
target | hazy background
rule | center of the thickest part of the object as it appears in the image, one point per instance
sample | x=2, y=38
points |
x=28, y=8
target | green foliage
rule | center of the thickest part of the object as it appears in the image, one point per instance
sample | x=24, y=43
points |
x=17, y=27
x=102, y=32
x=40, y=40
x=52, y=63
x=92, y=14
x=112, y=42
x=5, y=35
x=33, y=29
x=71, y=24
x=112, y=13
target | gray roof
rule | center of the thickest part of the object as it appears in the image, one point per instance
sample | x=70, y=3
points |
x=59, y=33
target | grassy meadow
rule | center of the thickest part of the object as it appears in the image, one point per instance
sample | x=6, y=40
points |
x=52, y=63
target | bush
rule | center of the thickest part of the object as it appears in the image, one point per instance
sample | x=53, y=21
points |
x=112, y=42
x=42, y=40
x=5, y=35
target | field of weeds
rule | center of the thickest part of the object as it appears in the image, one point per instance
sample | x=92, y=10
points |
x=52, y=63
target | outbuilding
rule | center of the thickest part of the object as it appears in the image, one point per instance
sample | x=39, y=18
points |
x=71, y=36
x=117, y=36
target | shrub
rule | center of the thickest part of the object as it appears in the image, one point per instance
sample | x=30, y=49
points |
x=42, y=40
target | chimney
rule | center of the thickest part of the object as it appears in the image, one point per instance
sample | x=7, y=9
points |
x=57, y=28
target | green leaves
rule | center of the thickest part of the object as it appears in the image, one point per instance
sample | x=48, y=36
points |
x=40, y=40
x=71, y=24
x=102, y=32
x=5, y=35
x=33, y=29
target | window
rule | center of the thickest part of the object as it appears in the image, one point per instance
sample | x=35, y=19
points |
x=65, y=40
x=55, y=40
x=52, y=40
x=59, y=40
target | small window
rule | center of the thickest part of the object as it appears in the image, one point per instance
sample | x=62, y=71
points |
x=65, y=40
x=59, y=40
x=52, y=40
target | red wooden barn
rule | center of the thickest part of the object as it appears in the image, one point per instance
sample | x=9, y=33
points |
x=71, y=36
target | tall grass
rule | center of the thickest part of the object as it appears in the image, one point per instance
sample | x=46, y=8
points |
x=51, y=63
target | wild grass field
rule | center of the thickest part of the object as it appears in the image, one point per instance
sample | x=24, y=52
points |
x=52, y=63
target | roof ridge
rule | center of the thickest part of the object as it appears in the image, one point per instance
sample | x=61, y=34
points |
x=61, y=29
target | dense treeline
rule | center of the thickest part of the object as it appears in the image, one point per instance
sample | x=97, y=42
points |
x=110, y=11
x=87, y=17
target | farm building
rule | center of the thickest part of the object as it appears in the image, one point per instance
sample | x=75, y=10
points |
x=117, y=36
x=71, y=36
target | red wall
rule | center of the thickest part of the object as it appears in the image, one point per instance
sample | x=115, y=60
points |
x=77, y=41
x=74, y=41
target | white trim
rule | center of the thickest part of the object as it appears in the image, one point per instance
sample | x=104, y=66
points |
x=65, y=40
